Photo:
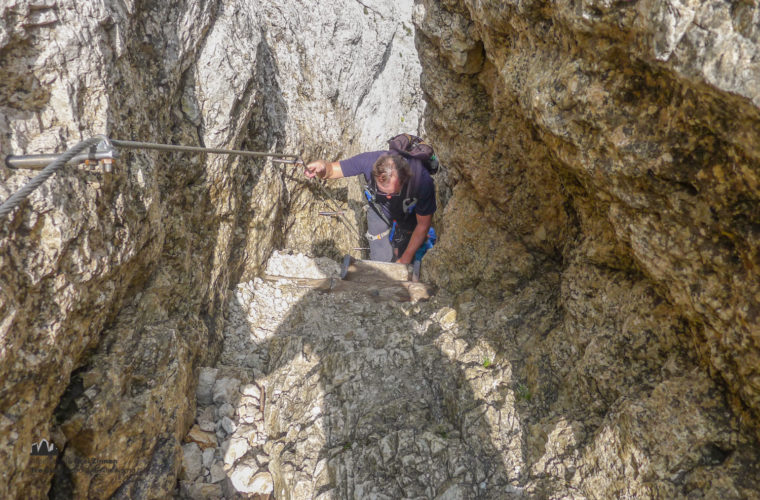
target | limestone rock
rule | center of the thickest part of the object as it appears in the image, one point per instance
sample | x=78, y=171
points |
x=596, y=331
x=233, y=449
x=246, y=480
x=226, y=390
x=191, y=461
x=251, y=390
x=300, y=266
x=226, y=410
x=217, y=472
x=433, y=400
x=205, y=389
x=200, y=491
x=206, y=419
x=227, y=425
x=204, y=439
x=592, y=202
x=121, y=279
x=208, y=457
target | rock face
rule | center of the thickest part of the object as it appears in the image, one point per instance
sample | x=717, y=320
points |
x=606, y=180
x=596, y=329
x=113, y=287
x=341, y=397
x=460, y=396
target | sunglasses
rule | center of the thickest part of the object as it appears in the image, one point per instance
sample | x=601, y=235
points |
x=387, y=195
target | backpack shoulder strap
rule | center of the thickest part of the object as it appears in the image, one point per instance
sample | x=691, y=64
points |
x=409, y=203
x=370, y=192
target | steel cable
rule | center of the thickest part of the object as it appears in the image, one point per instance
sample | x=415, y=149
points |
x=197, y=149
x=16, y=199
x=328, y=199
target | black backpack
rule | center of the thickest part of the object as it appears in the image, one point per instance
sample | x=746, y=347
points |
x=411, y=146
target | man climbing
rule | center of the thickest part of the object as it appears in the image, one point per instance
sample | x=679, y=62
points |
x=401, y=195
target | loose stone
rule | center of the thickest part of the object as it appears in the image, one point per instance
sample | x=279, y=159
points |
x=217, y=472
x=191, y=461
x=226, y=410
x=208, y=457
x=228, y=425
x=205, y=389
x=202, y=438
x=225, y=390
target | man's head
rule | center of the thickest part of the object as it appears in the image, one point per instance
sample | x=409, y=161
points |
x=390, y=172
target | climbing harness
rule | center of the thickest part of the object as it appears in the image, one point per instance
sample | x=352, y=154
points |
x=375, y=237
x=370, y=195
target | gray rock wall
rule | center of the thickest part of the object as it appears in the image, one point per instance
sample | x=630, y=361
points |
x=605, y=164
x=599, y=246
x=113, y=286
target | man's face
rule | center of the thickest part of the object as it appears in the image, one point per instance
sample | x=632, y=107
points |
x=390, y=188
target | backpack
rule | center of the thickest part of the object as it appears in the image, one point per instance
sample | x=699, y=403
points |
x=411, y=146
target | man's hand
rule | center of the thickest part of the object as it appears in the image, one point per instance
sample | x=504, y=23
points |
x=405, y=259
x=316, y=169
x=323, y=170
x=417, y=239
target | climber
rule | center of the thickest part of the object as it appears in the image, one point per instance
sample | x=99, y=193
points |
x=401, y=196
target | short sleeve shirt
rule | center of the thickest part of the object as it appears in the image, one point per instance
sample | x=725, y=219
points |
x=422, y=187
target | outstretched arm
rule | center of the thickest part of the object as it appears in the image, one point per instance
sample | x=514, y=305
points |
x=324, y=170
x=417, y=239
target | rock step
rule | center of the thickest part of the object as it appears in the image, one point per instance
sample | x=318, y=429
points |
x=368, y=271
x=383, y=289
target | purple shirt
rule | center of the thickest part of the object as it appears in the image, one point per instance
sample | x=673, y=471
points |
x=422, y=186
